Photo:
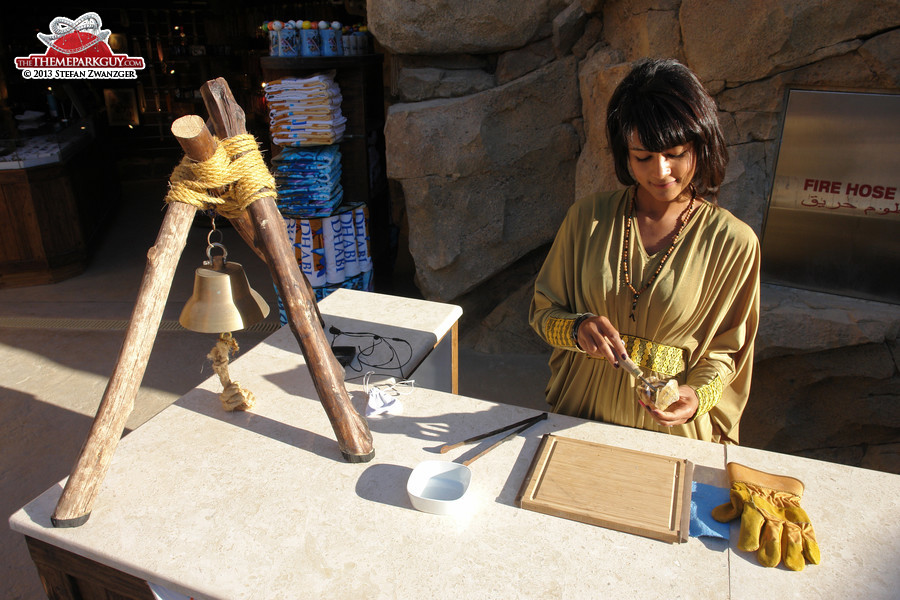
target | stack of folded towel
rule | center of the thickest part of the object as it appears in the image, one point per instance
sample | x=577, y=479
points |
x=308, y=181
x=305, y=112
x=330, y=237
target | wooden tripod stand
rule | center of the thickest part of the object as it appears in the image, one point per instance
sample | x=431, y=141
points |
x=262, y=227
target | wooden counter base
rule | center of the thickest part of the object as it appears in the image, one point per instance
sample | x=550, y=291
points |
x=68, y=576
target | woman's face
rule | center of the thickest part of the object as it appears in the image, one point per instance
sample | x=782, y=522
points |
x=664, y=175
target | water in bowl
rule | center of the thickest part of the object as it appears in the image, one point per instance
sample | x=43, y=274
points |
x=442, y=488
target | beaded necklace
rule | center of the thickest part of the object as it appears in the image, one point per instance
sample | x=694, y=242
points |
x=684, y=217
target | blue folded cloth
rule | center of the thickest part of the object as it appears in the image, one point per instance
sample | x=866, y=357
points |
x=704, y=498
x=325, y=155
x=308, y=181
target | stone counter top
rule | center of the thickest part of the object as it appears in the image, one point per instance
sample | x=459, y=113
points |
x=261, y=505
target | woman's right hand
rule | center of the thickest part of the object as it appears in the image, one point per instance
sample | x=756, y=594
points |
x=598, y=338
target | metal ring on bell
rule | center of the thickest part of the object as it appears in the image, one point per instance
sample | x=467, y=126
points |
x=212, y=245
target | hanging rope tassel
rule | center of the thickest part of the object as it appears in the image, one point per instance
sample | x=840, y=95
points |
x=233, y=397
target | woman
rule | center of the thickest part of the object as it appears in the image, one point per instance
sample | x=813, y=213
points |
x=656, y=272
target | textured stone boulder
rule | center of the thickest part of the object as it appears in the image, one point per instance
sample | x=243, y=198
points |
x=518, y=62
x=640, y=28
x=840, y=405
x=767, y=37
x=448, y=27
x=802, y=321
x=429, y=83
x=486, y=178
x=598, y=75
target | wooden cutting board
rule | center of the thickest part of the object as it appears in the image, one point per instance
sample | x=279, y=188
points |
x=626, y=490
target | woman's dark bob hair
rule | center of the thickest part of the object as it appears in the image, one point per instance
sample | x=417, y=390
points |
x=666, y=105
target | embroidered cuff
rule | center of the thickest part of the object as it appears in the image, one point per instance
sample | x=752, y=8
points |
x=559, y=332
x=708, y=395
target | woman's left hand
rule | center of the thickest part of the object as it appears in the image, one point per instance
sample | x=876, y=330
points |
x=680, y=411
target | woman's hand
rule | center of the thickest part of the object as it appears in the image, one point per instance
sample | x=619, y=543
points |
x=680, y=411
x=598, y=338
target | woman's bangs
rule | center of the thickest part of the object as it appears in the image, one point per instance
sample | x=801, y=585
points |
x=659, y=127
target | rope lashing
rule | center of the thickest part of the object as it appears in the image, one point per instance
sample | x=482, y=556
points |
x=233, y=397
x=229, y=181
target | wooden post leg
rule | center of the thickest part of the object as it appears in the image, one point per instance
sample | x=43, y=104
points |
x=74, y=506
x=351, y=430
x=353, y=435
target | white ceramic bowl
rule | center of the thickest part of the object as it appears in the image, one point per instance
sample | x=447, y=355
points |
x=438, y=487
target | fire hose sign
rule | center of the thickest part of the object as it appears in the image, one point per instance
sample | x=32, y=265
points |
x=833, y=221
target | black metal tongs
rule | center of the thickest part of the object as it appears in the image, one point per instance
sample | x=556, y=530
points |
x=521, y=425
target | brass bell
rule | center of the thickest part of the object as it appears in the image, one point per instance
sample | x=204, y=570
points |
x=223, y=299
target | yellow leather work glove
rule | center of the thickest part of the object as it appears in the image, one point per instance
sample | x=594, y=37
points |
x=772, y=522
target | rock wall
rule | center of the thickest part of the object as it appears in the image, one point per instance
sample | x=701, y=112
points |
x=482, y=190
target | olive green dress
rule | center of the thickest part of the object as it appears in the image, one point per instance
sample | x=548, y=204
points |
x=697, y=322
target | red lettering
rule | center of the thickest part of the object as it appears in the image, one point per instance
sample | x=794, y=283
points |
x=865, y=190
x=822, y=185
